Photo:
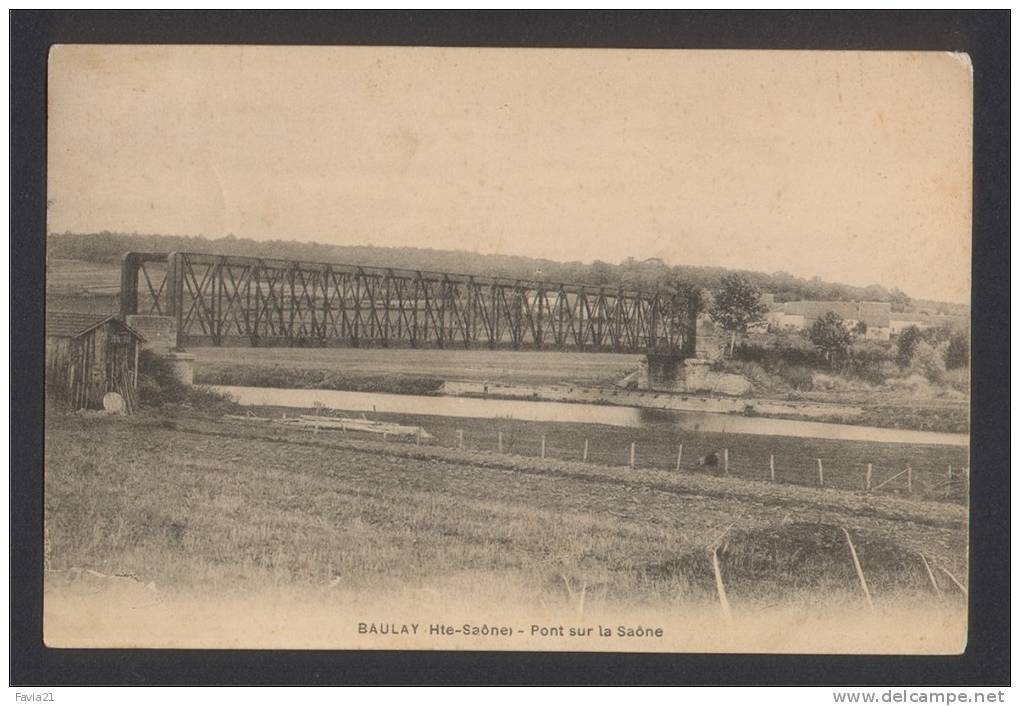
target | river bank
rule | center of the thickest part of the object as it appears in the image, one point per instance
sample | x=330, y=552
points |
x=487, y=375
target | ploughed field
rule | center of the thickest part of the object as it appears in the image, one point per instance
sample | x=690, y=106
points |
x=214, y=505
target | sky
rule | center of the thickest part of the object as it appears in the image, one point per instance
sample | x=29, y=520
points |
x=851, y=166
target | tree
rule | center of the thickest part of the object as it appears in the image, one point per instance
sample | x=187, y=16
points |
x=686, y=296
x=898, y=300
x=830, y=335
x=602, y=273
x=958, y=351
x=928, y=360
x=737, y=305
x=905, y=345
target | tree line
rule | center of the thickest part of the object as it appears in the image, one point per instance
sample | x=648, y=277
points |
x=651, y=274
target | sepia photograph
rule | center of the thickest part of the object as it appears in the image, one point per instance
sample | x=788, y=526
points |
x=508, y=349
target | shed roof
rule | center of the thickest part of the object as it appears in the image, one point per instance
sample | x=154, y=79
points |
x=73, y=324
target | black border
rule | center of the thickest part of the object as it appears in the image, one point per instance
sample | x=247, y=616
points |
x=983, y=34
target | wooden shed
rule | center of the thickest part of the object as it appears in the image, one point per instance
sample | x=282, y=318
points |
x=89, y=355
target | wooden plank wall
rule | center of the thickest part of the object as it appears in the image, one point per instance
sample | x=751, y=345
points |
x=82, y=370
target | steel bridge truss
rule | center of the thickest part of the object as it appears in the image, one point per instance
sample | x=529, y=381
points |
x=222, y=300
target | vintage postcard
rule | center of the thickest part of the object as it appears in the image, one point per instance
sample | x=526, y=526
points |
x=507, y=349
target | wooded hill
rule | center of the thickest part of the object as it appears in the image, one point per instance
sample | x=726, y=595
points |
x=108, y=247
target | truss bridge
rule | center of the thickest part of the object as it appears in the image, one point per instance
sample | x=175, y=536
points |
x=228, y=300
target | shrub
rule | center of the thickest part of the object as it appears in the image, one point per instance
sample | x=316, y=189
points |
x=781, y=349
x=905, y=345
x=796, y=376
x=871, y=361
x=958, y=351
x=158, y=384
x=928, y=361
x=937, y=335
x=830, y=335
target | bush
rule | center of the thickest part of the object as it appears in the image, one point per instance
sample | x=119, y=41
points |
x=905, y=345
x=796, y=376
x=158, y=384
x=958, y=351
x=937, y=335
x=779, y=349
x=830, y=335
x=928, y=361
x=871, y=361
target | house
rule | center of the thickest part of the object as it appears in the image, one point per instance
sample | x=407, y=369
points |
x=801, y=315
x=89, y=355
x=924, y=320
x=876, y=317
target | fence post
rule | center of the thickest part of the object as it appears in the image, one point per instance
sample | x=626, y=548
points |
x=821, y=474
x=460, y=438
x=867, y=478
x=632, y=454
x=679, y=456
x=910, y=481
x=543, y=445
x=585, y=457
x=499, y=441
x=720, y=587
x=772, y=467
x=384, y=436
x=858, y=569
x=726, y=460
x=417, y=437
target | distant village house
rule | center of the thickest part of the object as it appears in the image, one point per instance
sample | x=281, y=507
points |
x=880, y=322
x=801, y=315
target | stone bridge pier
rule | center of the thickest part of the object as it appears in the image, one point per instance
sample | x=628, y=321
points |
x=662, y=371
x=682, y=374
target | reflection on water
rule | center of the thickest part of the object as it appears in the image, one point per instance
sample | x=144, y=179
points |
x=585, y=413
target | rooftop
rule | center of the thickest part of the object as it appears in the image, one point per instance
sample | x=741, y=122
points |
x=73, y=323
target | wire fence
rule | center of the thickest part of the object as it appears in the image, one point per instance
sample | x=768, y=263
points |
x=920, y=480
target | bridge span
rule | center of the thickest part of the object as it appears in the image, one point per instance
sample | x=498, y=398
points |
x=229, y=300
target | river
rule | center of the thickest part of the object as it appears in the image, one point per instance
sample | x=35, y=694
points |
x=539, y=411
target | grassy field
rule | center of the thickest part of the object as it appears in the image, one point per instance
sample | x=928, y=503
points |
x=198, y=500
x=209, y=513
x=64, y=276
x=656, y=446
x=476, y=365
